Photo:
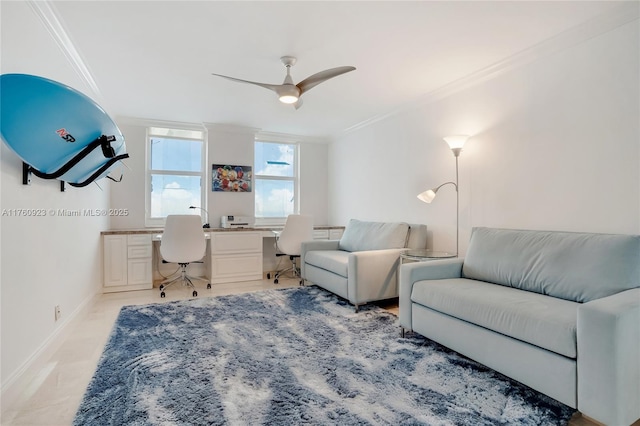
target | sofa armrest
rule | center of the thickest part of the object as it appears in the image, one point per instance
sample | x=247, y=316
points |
x=372, y=275
x=609, y=358
x=411, y=273
x=315, y=245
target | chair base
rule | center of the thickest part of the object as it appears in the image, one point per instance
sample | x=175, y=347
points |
x=294, y=268
x=184, y=278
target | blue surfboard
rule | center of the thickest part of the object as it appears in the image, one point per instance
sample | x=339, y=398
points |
x=58, y=131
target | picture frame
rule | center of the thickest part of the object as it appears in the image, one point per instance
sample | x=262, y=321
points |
x=231, y=178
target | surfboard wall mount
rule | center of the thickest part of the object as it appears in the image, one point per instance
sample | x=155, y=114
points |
x=26, y=176
x=104, y=142
x=58, y=132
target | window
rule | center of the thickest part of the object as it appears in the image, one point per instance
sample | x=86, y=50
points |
x=175, y=173
x=275, y=181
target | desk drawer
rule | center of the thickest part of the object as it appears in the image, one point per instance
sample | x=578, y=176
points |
x=236, y=242
x=138, y=239
x=321, y=234
x=136, y=252
x=233, y=268
x=335, y=234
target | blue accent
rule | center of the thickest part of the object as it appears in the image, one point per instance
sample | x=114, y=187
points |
x=47, y=123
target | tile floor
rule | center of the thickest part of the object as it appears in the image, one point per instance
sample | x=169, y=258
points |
x=56, y=386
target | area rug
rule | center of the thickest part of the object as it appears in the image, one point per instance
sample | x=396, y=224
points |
x=290, y=357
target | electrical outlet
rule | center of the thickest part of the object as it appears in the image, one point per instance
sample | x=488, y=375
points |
x=57, y=312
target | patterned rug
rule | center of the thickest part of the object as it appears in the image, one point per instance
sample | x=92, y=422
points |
x=290, y=357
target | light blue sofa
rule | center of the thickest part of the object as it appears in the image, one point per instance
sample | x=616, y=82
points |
x=362, y=266
x=557, y=311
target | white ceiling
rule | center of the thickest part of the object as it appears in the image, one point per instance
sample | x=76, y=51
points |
x=154, y=59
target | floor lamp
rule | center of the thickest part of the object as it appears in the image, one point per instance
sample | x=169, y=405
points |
x=455, y=143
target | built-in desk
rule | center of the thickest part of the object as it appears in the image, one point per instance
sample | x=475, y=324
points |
x=233, y=254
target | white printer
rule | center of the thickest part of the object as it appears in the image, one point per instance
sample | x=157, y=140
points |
x=232, y=221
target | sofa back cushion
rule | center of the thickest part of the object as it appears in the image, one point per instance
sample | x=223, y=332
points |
x=362, y=236
x=417, y=236
x=569, y=265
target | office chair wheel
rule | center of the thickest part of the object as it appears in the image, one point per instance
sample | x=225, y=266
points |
x=275, y=281
x=195, y=293
x=301, y=282
x=162, y=294
x=162, y=288
x=208, y=285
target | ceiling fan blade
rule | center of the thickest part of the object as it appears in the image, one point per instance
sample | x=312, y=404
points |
x=312, y=81
x=274, y=87
x=297, y=104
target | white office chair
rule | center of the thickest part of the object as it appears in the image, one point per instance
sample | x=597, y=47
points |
x=297, y=228
x=182, y=242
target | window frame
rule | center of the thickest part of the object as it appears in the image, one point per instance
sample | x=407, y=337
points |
x=272, y=220
x=159, y=222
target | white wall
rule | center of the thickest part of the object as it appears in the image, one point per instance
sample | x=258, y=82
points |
x=555, y=145
x=46, y=261
x=314, y=197
x=229, y=145
x=50, y=260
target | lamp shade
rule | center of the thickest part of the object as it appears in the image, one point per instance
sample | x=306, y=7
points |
x=456, y=141
x=427, y=196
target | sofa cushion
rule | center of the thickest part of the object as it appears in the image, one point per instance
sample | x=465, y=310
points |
x=361, y=236
x=544, y=321
x=336, y=261
x=574, y=266
x=417, y=236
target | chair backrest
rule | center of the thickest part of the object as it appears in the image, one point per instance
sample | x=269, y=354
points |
x=183, y=239
x=297, y=228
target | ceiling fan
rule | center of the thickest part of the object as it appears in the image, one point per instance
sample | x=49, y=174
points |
x=290, y=93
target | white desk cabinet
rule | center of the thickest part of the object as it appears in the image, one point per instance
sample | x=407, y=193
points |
x=127, y=262
x=232, y=255
x=320, y=234
x=335, y=234
x=327, y=234
x=236, y=256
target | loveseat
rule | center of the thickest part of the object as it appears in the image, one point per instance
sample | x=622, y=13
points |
x=361, y=267
x=557, y=311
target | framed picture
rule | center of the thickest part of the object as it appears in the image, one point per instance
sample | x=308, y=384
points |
x=226, y=178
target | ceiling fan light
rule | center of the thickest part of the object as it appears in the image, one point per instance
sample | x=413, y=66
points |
x=288, y=94
x=288, y=99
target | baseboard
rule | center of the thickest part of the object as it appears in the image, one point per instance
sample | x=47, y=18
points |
x=22, y=379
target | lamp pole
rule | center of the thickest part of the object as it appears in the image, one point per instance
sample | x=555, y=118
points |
x=456, y=152
x=455, y=143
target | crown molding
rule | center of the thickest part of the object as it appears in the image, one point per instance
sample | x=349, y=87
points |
x=627, y=12
x=149, y=122
x=231, y=128
x=219, y=127
x=46, y=11
x=289, y=138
